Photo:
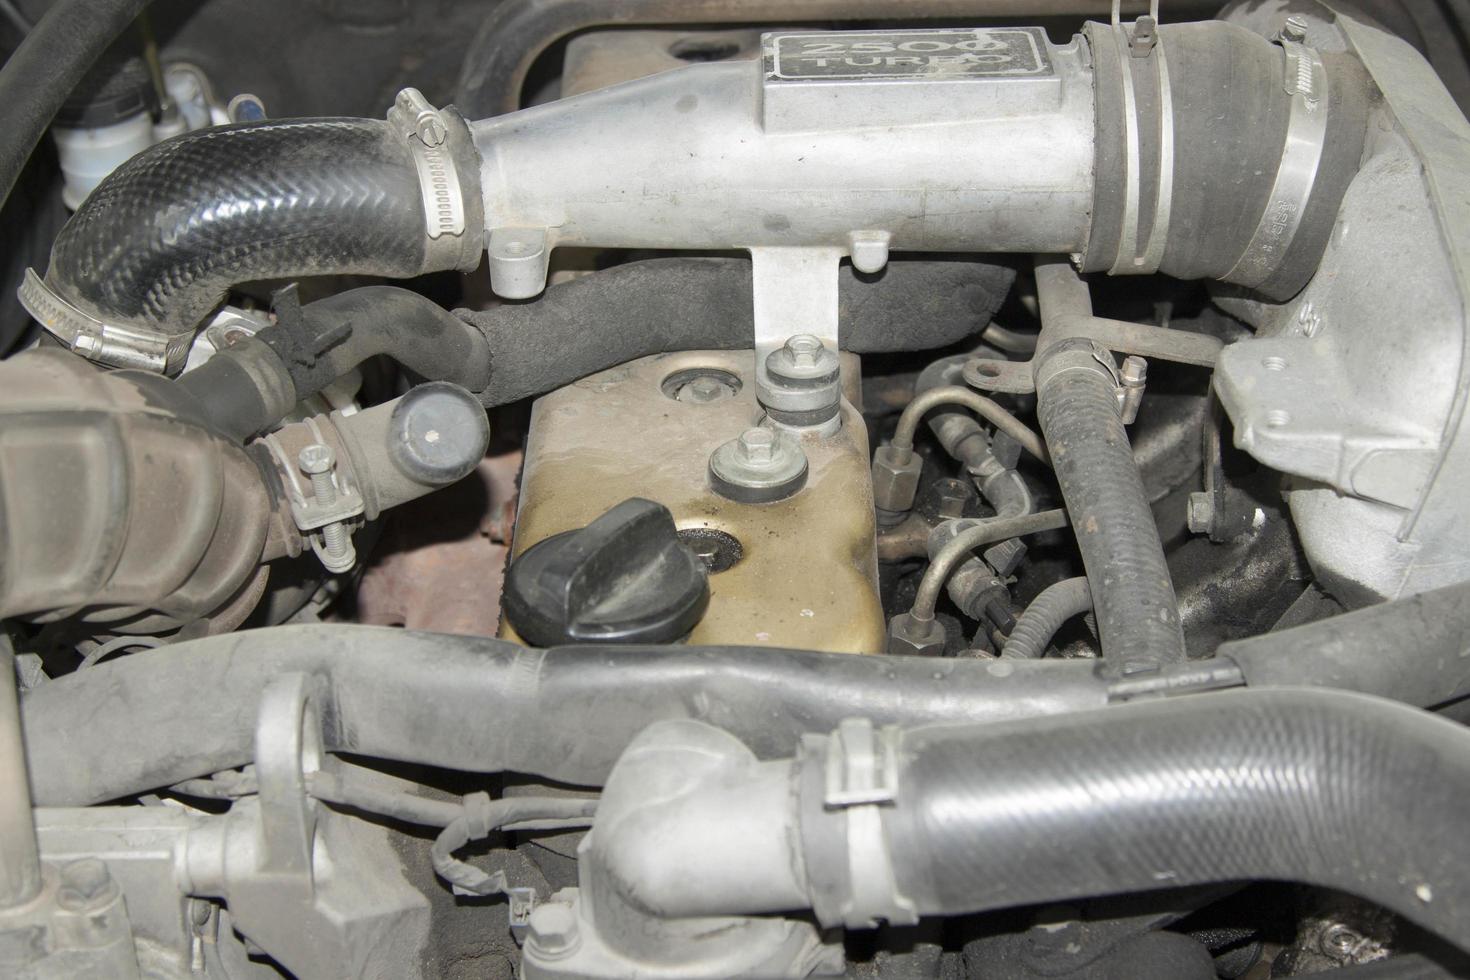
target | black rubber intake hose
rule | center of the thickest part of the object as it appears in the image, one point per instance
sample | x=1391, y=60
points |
x=160, y=241
x=250, y=385
x=658, y=305
x=1132, y=593
x=50, y=62
x=484, y=705
x=1325, y=788
x=1231, y=111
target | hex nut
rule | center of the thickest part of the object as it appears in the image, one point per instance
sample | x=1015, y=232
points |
x=910, y=637
x=896, y=478
x=1200, y=512
x=554, y=931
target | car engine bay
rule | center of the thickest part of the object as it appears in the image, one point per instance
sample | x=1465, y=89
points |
x=904, y=489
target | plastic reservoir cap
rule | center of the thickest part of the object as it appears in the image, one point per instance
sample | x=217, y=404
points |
x=438, y=433
x=624, y=578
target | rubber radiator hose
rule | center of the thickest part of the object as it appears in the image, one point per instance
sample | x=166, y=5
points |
x=1325, y=788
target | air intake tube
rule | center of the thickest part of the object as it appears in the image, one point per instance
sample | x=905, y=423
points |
x=155, y=247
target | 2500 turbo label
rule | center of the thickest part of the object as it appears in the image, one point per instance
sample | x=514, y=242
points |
x=909, y=54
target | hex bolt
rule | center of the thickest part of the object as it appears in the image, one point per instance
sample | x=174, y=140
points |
x=1200, y=512
x=1295, y=29
x=803, y=349
x=317, y=461
x=757, y=446
x=84, y=884
x=554, y=930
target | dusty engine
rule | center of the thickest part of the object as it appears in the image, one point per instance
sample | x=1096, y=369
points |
x=736, y=490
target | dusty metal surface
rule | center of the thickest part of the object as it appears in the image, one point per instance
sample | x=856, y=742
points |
x=808, y=575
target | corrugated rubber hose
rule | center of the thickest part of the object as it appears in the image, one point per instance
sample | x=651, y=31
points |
x=1325, y=788
x=1045, y=615
x=1132, y=593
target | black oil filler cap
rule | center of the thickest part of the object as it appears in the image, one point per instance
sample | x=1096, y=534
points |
x=624, y=578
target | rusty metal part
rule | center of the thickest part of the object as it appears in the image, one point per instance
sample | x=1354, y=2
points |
x=910, y=539
x=441, y=561
x=807, y=577
x=518, y=32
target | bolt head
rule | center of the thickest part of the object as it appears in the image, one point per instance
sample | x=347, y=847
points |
x=1200, y=513
x=703, y=390
x=804, y=361
x=1134, y=371
x=554, y=929
x=757, y=447
x=84, y=884
x=1295, y=28
x=317, y=458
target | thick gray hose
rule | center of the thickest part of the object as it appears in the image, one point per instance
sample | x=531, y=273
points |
x=567, y=714
x=1132, y=593
x=1045, y=615
x=1326, y=788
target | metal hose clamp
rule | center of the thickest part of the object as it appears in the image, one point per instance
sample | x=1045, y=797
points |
x=111, y=344
x=1143, y=42
x=1301, y=156
x=426, y=131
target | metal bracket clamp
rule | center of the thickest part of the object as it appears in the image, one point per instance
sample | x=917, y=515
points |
x=110, y=344
x=1143, y=42
x=1301, y=156
x=861, y=777
x=426, y=131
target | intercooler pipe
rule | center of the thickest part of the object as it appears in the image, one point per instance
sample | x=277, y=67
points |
x=731, y=155
x=484, y=705
x=1076, y=403
x=157, y=245
x=897, y=824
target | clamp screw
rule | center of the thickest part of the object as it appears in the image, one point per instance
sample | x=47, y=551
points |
x=1295, y=29
x=317, y=461
x=428, y=124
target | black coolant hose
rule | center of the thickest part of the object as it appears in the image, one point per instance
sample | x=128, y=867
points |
x=51, y=61
x=485, y=705
x=1320, y=787
x=1132, y=593
x=1045, y=615
x=159, y=242
x=658, y=305
x=250, y=385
